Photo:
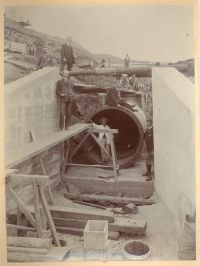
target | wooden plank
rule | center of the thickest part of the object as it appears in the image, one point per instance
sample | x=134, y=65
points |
x=128, y=187
x=109, y=199
x=27, y=250
x=90, y=165
x=32, y=133
x=21, y=205
x=121, y=224
x=30, y=150
x=79, y=231
x=99, y=130
x=81, y=214
x=41, y=180
x=37, y=210
x=21, y=227
x=128, y=226
x=29, y=242
x=49, y=218
x=78, y=146
x=54, y=254
x=11, y=171
x=89, y=204
x=66, y=158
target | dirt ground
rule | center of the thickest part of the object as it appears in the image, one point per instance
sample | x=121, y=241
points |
x=160, y=235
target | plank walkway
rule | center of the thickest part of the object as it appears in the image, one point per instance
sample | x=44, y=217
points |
x=30, y=150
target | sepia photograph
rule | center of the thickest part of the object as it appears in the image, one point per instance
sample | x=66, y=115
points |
x=99, y=104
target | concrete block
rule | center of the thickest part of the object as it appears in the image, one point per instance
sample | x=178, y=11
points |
x=96, y=234
x=174, y=137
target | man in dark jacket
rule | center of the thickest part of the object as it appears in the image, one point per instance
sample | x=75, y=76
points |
x=148, y=138
x=64, y=91
x=67, y=56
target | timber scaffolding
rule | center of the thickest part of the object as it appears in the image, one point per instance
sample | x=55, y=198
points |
x=45, y=218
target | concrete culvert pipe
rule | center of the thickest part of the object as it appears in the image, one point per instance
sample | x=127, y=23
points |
x=128, y=141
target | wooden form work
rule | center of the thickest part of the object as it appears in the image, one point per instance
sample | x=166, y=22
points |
x=38, y=182
x=91, y=132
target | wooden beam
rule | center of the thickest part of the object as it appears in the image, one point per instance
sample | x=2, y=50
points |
x=26, y=228
x=27, y=250
x=81, y=214
x=89, y=204
x=91, y=165
x=40, y=180
x=127, y=186
x=79, y=232
x=49, y=217
x=32, y=133
x=99, y=130
x=78, y=146
x=53, y=254
x=11, y=171
x=100, y=145
x=109, y=199
x=37, y=210
x=29, y=242
x=115, y=166
x=21, y=205
x=121, y=224
x=30, y=150
x=66, y=158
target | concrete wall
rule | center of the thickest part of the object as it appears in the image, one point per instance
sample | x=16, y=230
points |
x=173, y=112
x=31, y=103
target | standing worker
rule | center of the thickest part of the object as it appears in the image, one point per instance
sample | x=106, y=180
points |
x=67, y=55
x=127, y=61
x=148, y=138
x=104, y=138
x=64, y=91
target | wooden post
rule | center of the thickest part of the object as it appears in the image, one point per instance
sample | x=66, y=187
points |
x=32, y=133
x=21, y=220
x=21, y=206
x=37, y=210
x=113, y=154
x=49, y=217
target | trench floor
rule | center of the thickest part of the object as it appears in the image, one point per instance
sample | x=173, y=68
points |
x=160, y=233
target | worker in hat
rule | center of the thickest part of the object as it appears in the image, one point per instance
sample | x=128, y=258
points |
x=104, y=138
x=67, y=55
x=64, y=90
x=148, y=138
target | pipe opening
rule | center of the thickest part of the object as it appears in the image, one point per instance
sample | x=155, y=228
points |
x=128, y=141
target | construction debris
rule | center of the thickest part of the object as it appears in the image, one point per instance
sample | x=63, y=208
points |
x=130, y=208
x=120, y=201
x=120, y=224
x=29, y=242
x=81, y=214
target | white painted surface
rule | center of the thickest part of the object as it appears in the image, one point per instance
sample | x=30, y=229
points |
x=173, y=111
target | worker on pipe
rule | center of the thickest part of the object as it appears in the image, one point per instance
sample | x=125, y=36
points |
x=148, y=138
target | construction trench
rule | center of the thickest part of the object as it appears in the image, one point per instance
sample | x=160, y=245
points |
x=83, y=210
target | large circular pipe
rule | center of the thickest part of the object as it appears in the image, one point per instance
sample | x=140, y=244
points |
x=128, y=141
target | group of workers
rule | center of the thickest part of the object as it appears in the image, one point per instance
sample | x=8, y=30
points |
x=64, y=91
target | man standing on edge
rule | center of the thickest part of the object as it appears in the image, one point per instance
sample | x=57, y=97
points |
x=67, y=56
x=64, y=90
x=148, y=138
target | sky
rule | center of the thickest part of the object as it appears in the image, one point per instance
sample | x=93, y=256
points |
x=154, y=33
